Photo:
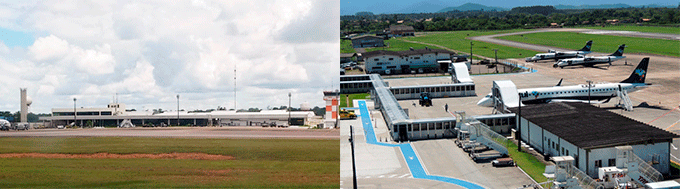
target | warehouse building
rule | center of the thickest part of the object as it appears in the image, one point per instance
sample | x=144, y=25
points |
x=114, y=114
x=367, y=41
x=416, y=60
x=590, y=135
x=400, y=30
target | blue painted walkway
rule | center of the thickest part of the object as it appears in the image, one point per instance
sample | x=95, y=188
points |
x=410, y=156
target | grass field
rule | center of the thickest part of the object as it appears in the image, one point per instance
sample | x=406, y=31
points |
x=399, y=45
x=649, y=29
x=258, y=163
x=343, y=100
x=346, y=46
x=601, y=43
x=527, y=162
x=456, y=41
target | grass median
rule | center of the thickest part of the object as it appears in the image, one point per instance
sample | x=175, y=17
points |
x=258, y=163
x=601, y=43
x=456, y=40
x=532, y=166
x=647, y=29
x=348, y=103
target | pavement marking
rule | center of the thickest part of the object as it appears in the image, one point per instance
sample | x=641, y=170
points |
x=674, y=157
x=392, y=176
x=669, y=127
x=664, y=115
x=405, y=175
x=415, y=166
x=674, y=148
x=381, y=176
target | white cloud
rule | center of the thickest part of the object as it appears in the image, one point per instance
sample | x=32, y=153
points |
x=91, y=61
x=149, y=51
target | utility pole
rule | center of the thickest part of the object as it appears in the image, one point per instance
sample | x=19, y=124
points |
x=177, y=109
x=518, y=135
x=470, y=52
x=354, y=166
x=289, y=109
x=74, y=112
x=495, y=63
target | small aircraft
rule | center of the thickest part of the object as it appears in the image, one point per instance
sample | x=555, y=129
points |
x=557, y=55
x=579, y=93
x=590, y=61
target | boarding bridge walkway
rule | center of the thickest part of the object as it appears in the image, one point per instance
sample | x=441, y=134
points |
x=460, y=73
x=504, y=93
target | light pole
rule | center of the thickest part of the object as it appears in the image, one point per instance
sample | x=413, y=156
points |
x=289, y=109
x=589, y=82
x=74, y=112
x=177, y=109
x=495, y=63
x=354, y=166
x=470, y=52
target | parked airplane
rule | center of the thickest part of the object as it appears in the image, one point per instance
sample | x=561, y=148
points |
x=557, y=55
x=590, y=61
x=579, y=93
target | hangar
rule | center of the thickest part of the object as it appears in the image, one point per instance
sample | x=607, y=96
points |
x=591, y=135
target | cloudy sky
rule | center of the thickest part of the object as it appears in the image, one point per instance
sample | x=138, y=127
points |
x=150, y=51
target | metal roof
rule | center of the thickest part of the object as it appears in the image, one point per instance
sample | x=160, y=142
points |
x=406, y=53
x=590, y=127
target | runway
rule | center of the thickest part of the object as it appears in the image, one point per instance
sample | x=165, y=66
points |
x=183, y=132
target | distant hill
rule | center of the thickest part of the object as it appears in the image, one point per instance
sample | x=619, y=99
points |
x=608, y=6
x=422, y=7
x=472, y=6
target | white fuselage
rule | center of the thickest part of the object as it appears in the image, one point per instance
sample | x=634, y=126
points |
x=557, y=55
x=573, y=92
x=588, y=60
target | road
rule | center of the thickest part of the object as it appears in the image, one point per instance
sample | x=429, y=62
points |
x=183, y=132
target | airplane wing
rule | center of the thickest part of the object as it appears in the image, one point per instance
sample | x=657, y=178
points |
x=582, y=101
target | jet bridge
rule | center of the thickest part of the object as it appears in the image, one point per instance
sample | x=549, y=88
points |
x=504, y=95
x=459, y=73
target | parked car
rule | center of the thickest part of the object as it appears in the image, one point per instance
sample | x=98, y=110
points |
x=502, y=162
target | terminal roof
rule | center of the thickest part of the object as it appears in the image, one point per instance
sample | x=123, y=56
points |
x=405, y=53
x=590, y=127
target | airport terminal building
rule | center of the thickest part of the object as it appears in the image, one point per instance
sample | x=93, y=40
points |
x=114, y=114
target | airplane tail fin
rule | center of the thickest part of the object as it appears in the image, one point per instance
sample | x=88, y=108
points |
x=559, y=83
x=640, y=72
x=619, y=52
x=587, y=47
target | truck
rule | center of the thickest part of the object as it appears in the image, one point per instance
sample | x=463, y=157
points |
x=425, y=99
x=346, y=114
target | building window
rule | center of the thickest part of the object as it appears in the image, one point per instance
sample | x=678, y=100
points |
x=417, y=57
x=376, y=59
x=612, y=162
x=391, y=59
x=562, y=150
x=567, y=152
x=598, y=163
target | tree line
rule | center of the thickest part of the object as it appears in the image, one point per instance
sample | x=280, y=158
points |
x=16, y=116
x=518, y=17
